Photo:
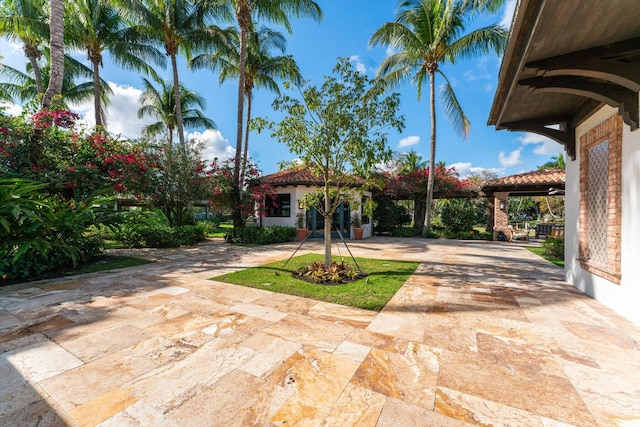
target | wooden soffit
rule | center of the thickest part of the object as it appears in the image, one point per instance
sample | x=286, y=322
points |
x=564, y=59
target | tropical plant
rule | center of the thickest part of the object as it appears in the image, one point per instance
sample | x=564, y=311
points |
x=159, y=103
x=56, y=46
x=556, y=162
x=425, y=35
x=23, y=87
x=26, y=21
x=180, y=27
x=337, y=129
x=97, y=27
x=262, y=71
x=274, y=11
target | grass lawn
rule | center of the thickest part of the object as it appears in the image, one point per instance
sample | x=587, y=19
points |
x=540, y=252
x=219, y=232
x=371, y=293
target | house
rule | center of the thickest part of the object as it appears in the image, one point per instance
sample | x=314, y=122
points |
x=292, y=185
x=571, y=72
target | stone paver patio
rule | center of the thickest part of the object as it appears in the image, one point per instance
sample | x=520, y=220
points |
x=483, y=333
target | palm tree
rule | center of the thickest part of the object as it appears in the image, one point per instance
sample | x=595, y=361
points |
x=19, y=86
x=410, y=162
x=425, y=35
x=97, y=27
x=274, y=11
x=26, y=21
x=160, y=104
x=262, y=70
x=181, y=27
x=56, y=46
x=556, y=162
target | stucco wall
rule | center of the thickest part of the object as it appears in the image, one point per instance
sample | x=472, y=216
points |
x=625, y=297
x=297, y=193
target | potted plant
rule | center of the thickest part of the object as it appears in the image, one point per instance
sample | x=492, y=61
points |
x=301, y=229
x=358, y=230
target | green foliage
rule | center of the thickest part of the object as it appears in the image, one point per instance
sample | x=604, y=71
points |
x=553, y=247
x=389, y=216
x=336, y=273
x=260, y=235
x=39, y=232
x=458, y=215
x=151, y=229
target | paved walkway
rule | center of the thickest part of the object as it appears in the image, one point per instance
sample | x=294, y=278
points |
x=482, y=334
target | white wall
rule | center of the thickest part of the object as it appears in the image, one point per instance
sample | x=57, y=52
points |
x=625, y=297
x=297, y=193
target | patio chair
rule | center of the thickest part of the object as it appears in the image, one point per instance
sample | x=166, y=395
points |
x=516, y=234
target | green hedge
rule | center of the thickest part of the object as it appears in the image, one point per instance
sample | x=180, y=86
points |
x=151, y=229
x=260, y=235
x=554, y=247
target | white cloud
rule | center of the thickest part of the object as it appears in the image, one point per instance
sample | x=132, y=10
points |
x=512, y=159
x=408, y=141
x=11, y=108
x=507, y=16
x=543, y=146
x=465, y=169
x=215, y=145
x=360, y=67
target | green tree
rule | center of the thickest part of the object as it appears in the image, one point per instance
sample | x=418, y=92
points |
x=98, y=27
x=556, y=162
x=410, y=162
x=56, y=47
x=337, y=129
x=159, y=103
x=181, y=27
x=263, y=70
x=425, y=35
x=26, y=21
x=23, y=87
x=274, y=11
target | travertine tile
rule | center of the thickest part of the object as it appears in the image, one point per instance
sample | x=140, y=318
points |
x=341, y=314
x=411, y=377
x=319, y=333
x=103, y=407
x=271, y=351
x=138, y=414
x=407, y=326
x=352, y=351
x=396, y=412
x=41, y=360
x=259, y=311
x=356, y=406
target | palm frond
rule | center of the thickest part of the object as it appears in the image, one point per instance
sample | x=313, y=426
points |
x=452, y=109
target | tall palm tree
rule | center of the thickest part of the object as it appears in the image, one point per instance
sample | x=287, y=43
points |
x=425, y=35
x=556, y=162
x=22, y=87
x=97, y=27
x=159, y=103
x=273, y=11
x=181, y=27
x=262, y=70
x=56, y=46
x=26, y=21
x=410, y=162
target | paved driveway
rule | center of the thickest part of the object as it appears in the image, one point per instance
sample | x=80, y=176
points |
x=482, y=334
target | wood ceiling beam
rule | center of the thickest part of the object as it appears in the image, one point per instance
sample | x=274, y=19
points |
x=626, y=100
x=624, y=74
x=565, y=134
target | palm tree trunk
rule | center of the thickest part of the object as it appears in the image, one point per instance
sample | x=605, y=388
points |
x=33, y=54
x=176, y=95
x=97, y=93
x=244, y=20
x=245, y=152
x=56, y=43
x=432, y=156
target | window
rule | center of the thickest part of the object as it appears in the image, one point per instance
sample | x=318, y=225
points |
x=600, y=205
x=365, y=218
x=278, y=206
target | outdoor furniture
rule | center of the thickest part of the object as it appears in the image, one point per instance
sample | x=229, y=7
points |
x=550, y=230
x=516, y=234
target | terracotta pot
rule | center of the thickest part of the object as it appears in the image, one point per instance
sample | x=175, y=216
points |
x=358, y=233
x=302, y=234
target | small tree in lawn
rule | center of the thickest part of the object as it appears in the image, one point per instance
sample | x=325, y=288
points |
x=338, y=130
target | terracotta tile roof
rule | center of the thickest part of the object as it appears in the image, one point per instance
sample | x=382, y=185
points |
x=296, y=176
x=537, y=177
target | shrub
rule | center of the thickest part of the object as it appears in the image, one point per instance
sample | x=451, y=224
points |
x=458, y=215
x=260, y=235
x=151, y=229
x=39, y=232
x=336, y=274
x=389, y=216
x=553, y=247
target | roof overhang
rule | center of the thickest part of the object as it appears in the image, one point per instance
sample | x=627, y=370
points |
x=565, y=59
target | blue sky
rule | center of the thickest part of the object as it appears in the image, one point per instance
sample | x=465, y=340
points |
x=344, y=32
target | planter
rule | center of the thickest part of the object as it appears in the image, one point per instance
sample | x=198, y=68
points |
x=302, y=234
x=357, y=233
